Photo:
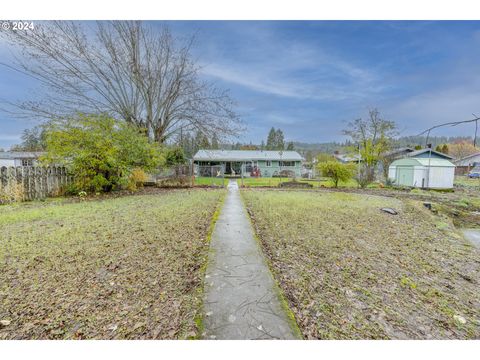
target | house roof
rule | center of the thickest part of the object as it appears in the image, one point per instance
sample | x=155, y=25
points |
x=245, y=155
x=347, y=158
x=433, y=162
x=20, y=154
x=468, y=157
x=423, y=151
x=398, y=151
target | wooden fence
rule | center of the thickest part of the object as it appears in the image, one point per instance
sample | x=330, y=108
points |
x=36, y=182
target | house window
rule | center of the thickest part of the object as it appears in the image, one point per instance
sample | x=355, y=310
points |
x=27, y=162
x=269, y=163
x=287, y=163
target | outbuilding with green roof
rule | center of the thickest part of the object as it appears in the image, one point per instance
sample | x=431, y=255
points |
x=422, y=172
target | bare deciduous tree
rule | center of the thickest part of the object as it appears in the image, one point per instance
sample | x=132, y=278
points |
x=127, y=69
x=461, y=149
x=373, y=137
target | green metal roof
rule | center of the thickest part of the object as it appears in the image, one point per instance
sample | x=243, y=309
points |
x=433, y=162
x=246, y=155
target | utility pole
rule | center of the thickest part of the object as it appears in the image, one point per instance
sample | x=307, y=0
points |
x=429, y=161
x=281, y=164
x=358, y=165
x=476, y=130
x=453, y=123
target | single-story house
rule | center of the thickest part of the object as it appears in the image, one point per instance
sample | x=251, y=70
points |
x=251, y=162
x=421, y=172
x=19, y=158
x=467, y=163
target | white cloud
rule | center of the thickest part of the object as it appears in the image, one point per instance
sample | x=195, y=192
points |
x=280, y=82
x=264, y=62
x=417, y=113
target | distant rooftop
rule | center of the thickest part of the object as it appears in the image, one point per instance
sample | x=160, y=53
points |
x=422, y=151
x=246, y=155
x=21, y=154
x=345, y=158
x=398, y=151
x=469, y=156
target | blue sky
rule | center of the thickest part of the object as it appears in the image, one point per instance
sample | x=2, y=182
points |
x=311, y=77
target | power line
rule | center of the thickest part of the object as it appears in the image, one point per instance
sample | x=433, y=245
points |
x=453, y=123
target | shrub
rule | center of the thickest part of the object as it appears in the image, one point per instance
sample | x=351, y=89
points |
x=136, y=179
x=337, y=171
x=389, y=182
x=13, y=192
x=363, y=176
x=100, y=151
x=175, y=156
x=72, y=189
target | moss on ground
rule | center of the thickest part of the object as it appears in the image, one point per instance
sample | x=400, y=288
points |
x=119, y=268
x=351, y=271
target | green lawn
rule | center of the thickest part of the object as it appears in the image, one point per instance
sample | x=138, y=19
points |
x=274, y=182
x=123, y=268
x=351, y=271
x=251, y=182
x=210, y=181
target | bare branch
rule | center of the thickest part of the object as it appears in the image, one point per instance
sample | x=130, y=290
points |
x=124, y=68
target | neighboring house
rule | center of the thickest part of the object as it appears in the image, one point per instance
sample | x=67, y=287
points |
x=346, y=158
x=423, y=172
x=19, y=158
x=250, y=162
x=465, y=164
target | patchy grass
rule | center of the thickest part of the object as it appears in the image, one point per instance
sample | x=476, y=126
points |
x=123, y=268
x=351, y=271
x=465, y=181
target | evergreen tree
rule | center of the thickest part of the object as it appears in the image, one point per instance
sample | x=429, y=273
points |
x=290, y=146
x=237, y=146
x=215, y=144
x=279, y=140
x=204, y=143
x=271, y=139
x=445, y=149
x=262, y=145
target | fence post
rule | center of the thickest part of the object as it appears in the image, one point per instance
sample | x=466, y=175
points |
x=3, y=177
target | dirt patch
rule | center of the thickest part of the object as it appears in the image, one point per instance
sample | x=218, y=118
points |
x=351, y=271
x=123, y=268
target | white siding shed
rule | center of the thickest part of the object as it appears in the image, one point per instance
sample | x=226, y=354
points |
x=425, y=173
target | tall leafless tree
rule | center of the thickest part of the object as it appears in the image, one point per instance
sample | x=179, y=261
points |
x=372, y=137
x=128, y=69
